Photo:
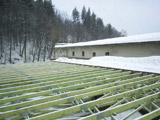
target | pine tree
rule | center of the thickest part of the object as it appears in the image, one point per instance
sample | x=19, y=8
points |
x=99, y=28
x=109, y=31
x=93, y=26
x=75, y=15
x=83, y=15
x=87, y=21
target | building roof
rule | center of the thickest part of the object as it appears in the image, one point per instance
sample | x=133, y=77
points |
x=151, y=37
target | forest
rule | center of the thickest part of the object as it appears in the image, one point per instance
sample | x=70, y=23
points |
x=29, y=29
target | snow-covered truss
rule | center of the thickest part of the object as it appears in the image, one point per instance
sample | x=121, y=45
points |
x=52, y=90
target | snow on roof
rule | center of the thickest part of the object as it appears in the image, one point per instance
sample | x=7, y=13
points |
x=120, y=40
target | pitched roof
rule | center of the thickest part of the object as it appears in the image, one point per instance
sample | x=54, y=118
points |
x=120, y=40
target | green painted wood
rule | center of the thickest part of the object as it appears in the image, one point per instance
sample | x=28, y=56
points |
x=81, y=82
x=91, y=104
x=76, y=97
x=46, y=75
x=94, y=83
x=52, y=80
x=43, y=87
x=123, y=107
x=38, y=68
x=107, y=84
x=150, y=115
x=43, y=78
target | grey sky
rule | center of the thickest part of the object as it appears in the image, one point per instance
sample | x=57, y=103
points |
x=134, y=16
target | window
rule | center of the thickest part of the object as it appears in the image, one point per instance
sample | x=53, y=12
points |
x=106, y=53
x=73, y=53
x=83, y=54
x=94, y=54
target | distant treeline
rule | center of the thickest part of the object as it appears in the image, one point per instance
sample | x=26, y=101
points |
x=87, y=26
x=33, y=27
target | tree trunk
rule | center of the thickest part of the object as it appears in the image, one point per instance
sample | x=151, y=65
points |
x=39, y=51
x=1, y=55
x=10, y=51
x=5, y=59
x=25, y=56
x=34, y=50
x=25, y=43
x=22, y=51
x=51, y=51
x=45, y=47
x=34, y=55
x=20, y=47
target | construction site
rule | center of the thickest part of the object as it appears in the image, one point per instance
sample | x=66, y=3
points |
x=63, y=91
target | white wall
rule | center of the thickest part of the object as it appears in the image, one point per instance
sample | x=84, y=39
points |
x=125, y=50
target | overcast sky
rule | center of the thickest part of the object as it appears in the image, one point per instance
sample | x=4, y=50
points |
x=134, y=16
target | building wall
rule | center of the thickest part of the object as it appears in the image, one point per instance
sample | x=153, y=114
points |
x=125, y=50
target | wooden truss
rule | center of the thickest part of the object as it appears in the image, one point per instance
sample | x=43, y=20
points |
x=53, y=90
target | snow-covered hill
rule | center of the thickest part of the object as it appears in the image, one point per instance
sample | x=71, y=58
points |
x=16, y=58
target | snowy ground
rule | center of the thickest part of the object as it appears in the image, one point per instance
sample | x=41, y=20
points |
x=17, y=59
x=147, y=64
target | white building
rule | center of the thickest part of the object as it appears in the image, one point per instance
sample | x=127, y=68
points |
x=131, y=46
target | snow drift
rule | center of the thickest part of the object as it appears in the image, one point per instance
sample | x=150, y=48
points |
x=146, y=64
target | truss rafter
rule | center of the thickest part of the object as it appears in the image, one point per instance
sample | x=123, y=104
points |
x=58, y=90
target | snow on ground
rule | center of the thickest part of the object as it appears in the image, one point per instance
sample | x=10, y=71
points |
x=17, y=59
x=147, y=64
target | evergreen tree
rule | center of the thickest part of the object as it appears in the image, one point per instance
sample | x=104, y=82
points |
x=99, y=28
x=87, y=20
x=109, y=30
x=75, y=15
x=83, y=15
x=76, y=24
x=93, y=26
